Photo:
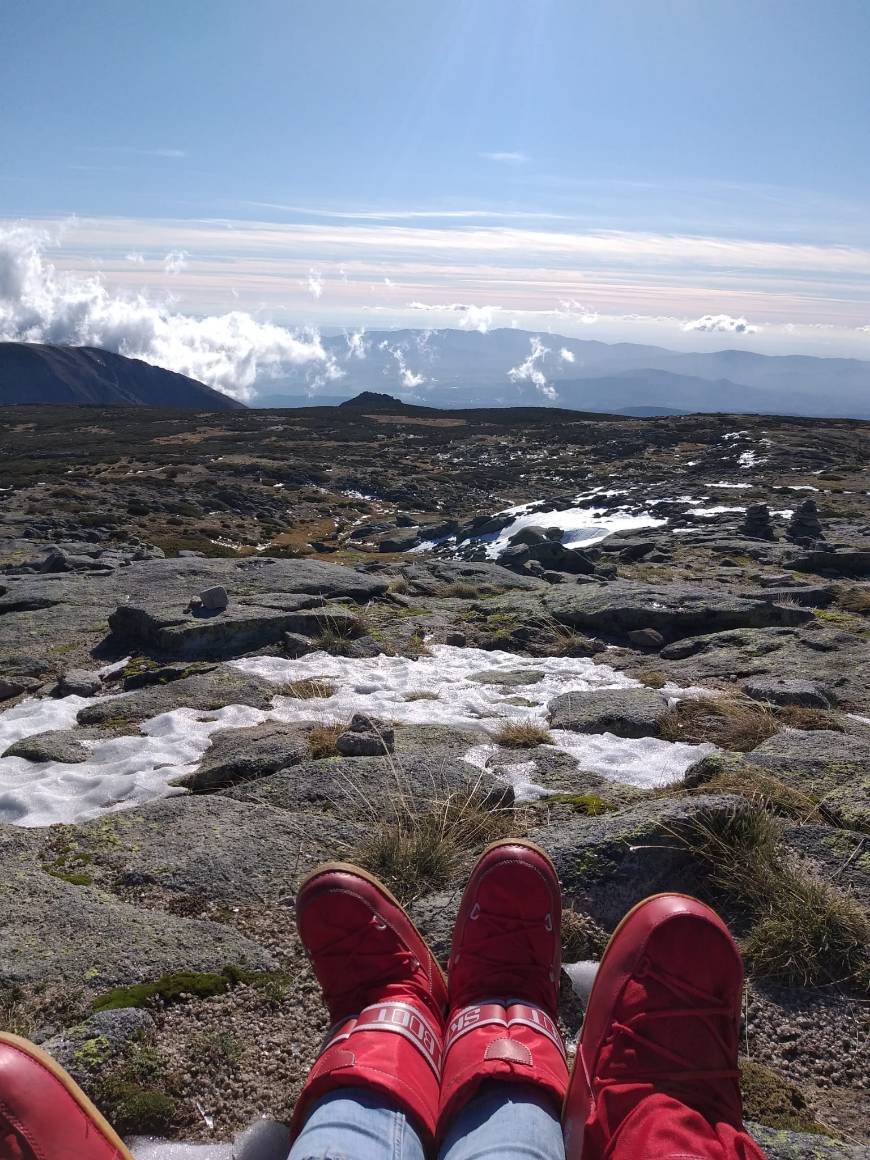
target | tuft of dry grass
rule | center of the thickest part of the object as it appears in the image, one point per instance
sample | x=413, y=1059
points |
x=803, y=931
x=421, y=695
x=322, y=739
x=799, y=717
x=462, y=590
x=522, y=734
x=416, y=846
x=308, y=689
x=652, y=678
x=730, y=723
x=764, y=790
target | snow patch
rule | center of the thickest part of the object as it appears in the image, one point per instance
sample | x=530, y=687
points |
x=122, y=772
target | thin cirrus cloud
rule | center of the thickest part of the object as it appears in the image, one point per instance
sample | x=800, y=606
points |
x=507, y=157
x=134, y=150
x=476, y=275
x=387, y=215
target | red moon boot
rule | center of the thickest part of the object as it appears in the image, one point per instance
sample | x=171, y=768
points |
x=44, y=1114
x=385, y=993
x=656, y=1068
x=504, y=979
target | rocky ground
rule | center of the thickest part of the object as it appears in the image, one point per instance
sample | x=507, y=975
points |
x=234, y=645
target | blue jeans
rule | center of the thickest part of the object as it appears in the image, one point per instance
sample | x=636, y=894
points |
x=506, y=1121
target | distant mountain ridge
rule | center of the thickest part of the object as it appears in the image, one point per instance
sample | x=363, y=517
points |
x=460, y=368
x=33, y=373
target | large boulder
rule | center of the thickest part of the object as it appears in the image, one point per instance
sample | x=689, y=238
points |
x=52, y=930
x=205, y=691
x=782, y=691
x=675, y=610
x=209, y=847
x=831, y=768
x=623, y=712
x=244, y=754
x=199, y=632
x=362, y=789
x=63, y=745
x=606, y=864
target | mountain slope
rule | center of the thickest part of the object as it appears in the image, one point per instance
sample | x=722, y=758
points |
x=459, y=368
x=33, y=373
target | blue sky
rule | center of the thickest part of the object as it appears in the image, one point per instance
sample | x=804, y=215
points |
x=620, y=168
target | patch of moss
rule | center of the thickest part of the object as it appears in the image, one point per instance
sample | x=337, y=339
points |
x=169, y=989
x=844, y=620
x=93, y=1052
x=770, y=1099
x=589, y=804
x=69, y=876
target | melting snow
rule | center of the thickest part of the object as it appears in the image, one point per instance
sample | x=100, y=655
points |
x=724, y=484
x=749, y=459
x=126, y=771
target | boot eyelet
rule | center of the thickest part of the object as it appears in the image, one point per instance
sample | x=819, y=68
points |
x=475, y=912
x=548, y=922
x=379, y=922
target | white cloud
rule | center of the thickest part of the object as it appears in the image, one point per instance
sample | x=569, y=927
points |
x=566, y=355
x=529, y=371
x=314, y=284
x=135, y=257
x=407, y=377
x=507, y=158
x=471, y=317
x=576, y=311
x=227, y=351
x=175, y=261
x=721, y=324
x=356, y=344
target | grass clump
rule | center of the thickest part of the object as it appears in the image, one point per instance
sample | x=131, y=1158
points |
x=652, y=678
x=26, y=1010
x=522, y=734
x=308, y=689
x=333, y=642
x=462, y=590
x=764, y=790
x=802, y=931
x=417, y=850
x=582, y=938
x=322, y=739
x=729, y=723
x=421, y=695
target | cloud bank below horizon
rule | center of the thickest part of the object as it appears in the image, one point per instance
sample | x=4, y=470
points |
x=229, y=351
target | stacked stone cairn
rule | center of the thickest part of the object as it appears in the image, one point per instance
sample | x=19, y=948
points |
x=756, y=523
x=804, y=527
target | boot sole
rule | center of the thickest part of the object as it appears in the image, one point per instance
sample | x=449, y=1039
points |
x=373, y=880
x=72, y=1088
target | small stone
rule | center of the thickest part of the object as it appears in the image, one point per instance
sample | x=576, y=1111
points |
x=366, y=737
x=297, y=645
x=646, y=638
x=78, y=683
x=214, y=599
